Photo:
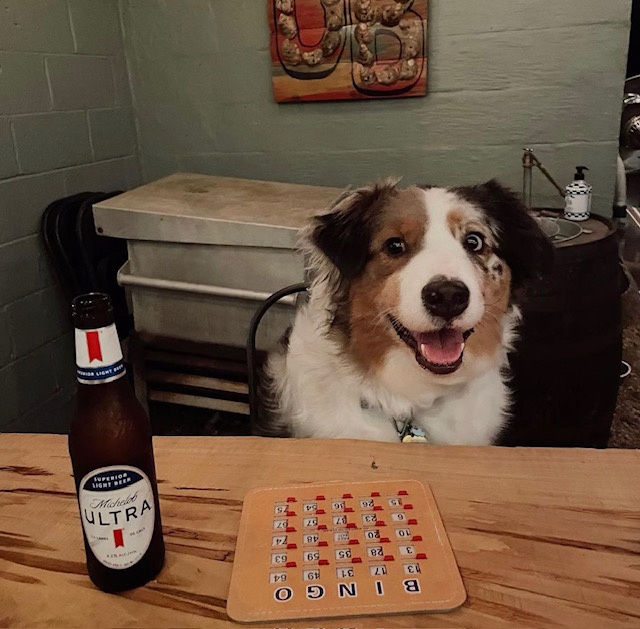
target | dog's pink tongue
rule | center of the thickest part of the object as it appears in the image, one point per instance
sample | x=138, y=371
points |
x=443, y=347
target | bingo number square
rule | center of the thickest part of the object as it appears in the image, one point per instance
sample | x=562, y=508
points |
x=342, y=549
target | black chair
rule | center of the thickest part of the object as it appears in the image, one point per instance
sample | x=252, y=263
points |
x=53, y=243
x=252, y=354
x=69, y=246
x=83, y=260
x=102, y=257
x=92, y=247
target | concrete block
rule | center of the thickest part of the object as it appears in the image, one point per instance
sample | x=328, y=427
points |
x=180, y=129
x=53, y=140
x=6, y=344
x=8, y=163
x=24, y=199
x=165, y=29
x=48, y=273
x=64, y=360
x=530, y=58
x=112, y=133
x=25, y=383
x=153, y=83
x=115, y=174
x=23, y=83
x=248, y=165
x=96, y=26
x=79, y=82
x=259, y=127
x=445, y=119
x=482, y=16
x=36, y=26
x=197, y=79
x=21, y=275
x=512, y=116
x=157, y=165
x=246, y=76
x=133, y=170
x=121, y=81
x=9, y=397
x=242, y=25
x=54, y=415
x=38, y=319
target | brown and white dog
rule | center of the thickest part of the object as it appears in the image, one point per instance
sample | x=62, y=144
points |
x=410, y=317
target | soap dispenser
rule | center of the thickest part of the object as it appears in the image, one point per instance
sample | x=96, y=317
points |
x=577, y=197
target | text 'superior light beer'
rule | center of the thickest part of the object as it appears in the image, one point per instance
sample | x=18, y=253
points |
x=112, y=457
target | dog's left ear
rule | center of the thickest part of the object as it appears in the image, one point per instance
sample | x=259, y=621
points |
x=521, y=242
x=343, y=233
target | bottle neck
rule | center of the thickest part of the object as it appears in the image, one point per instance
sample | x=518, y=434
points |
x=98, y=355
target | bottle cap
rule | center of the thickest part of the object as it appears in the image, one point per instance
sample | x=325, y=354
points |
x=92, y=310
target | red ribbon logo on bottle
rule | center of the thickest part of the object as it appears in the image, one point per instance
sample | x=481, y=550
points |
x=93, y=346
x=117, y=538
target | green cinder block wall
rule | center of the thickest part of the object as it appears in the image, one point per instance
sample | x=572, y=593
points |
x=503, y=74
x=66, y=125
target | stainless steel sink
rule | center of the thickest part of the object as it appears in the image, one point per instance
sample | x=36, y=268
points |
x=559, y=229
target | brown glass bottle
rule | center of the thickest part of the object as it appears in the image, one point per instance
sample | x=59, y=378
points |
x=112, y=458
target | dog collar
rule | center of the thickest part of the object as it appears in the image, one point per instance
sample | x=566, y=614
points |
x=415, y=435
x=407, y=432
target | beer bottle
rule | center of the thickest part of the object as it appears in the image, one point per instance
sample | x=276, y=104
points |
x=112, y=457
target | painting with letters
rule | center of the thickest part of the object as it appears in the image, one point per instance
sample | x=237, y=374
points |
x=348, y=49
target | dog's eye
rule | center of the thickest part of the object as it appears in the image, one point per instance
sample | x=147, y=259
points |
x=474, y=242
x=395, y=246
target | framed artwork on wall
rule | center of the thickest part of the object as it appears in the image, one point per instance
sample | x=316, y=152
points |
x=347, y=49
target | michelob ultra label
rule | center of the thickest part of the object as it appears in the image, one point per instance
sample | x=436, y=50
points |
x=98, y=355
x=118, y=514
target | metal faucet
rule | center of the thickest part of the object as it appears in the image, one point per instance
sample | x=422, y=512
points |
x=529, y=160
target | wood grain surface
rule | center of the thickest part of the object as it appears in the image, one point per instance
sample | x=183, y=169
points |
x=543, y=538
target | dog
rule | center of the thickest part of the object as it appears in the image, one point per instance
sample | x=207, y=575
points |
x=412, y=311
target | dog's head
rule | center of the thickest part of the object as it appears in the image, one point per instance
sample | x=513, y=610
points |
x=427, y=271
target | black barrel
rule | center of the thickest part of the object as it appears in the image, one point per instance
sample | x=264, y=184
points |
x=566, y=365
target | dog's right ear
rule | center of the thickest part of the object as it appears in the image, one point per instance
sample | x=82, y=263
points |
x=344, y=233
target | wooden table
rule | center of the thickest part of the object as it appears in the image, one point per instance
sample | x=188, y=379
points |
x=543, y=538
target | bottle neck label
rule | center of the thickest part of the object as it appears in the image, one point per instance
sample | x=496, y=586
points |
x=118, y=514
x=98, y=355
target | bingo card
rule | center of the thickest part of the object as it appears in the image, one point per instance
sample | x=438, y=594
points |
x=342, y=549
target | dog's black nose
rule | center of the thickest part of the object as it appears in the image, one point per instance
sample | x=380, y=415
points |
x=445, y=298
